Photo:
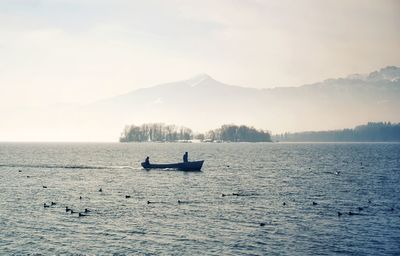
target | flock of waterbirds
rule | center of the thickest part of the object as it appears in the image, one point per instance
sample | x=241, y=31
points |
x=313, y=203
x=67, y=209
x=86, y=211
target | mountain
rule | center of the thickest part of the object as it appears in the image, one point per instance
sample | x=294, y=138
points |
x=200, y=103
x=203, y=103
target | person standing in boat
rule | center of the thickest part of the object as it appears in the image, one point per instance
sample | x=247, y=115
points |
x=185, y=157
x=147, y=161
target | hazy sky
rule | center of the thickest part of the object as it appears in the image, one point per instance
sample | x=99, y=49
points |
x=54, y=51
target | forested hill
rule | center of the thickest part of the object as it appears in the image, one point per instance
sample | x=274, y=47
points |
x=371, y=132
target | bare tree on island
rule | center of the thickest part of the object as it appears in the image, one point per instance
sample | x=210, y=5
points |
x=155, y=132
x=170, y=133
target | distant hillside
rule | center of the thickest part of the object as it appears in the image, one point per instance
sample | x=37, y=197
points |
x=203, y=103
x=371, y=132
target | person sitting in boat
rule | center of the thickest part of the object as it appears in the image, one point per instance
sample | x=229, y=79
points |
x=185, y=157
x=147, y=161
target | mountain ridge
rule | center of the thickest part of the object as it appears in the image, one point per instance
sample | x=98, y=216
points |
x=211, y=103
x=389, y=73
x=203, y=77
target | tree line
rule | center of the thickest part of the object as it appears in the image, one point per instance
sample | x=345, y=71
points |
x=371, y=132
x=159, y=132
x=155, y=132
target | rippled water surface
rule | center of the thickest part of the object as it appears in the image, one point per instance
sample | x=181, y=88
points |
x=274, y=184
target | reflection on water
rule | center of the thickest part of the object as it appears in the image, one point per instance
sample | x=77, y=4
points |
x=249, y=199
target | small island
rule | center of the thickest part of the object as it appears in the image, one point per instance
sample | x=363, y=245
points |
x=159, y=132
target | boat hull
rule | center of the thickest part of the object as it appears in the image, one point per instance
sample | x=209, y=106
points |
x=188, y=166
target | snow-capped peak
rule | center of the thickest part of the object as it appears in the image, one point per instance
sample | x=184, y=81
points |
x=199, y=79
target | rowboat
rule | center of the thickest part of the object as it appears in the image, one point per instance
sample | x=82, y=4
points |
x=184, y=166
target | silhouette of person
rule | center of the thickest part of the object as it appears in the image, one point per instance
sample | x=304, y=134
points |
x=185, y=157
x=147, y=161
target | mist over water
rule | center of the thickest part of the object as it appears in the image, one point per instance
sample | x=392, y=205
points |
x=256, y=179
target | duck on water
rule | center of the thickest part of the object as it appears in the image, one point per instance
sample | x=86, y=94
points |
x=183, y=166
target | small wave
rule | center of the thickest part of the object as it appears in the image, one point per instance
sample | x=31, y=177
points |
x=57, y=166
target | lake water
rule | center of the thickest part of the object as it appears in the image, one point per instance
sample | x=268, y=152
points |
x=263, y=176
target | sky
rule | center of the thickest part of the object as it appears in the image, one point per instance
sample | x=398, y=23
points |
x=66, y=54
x=66, y=51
